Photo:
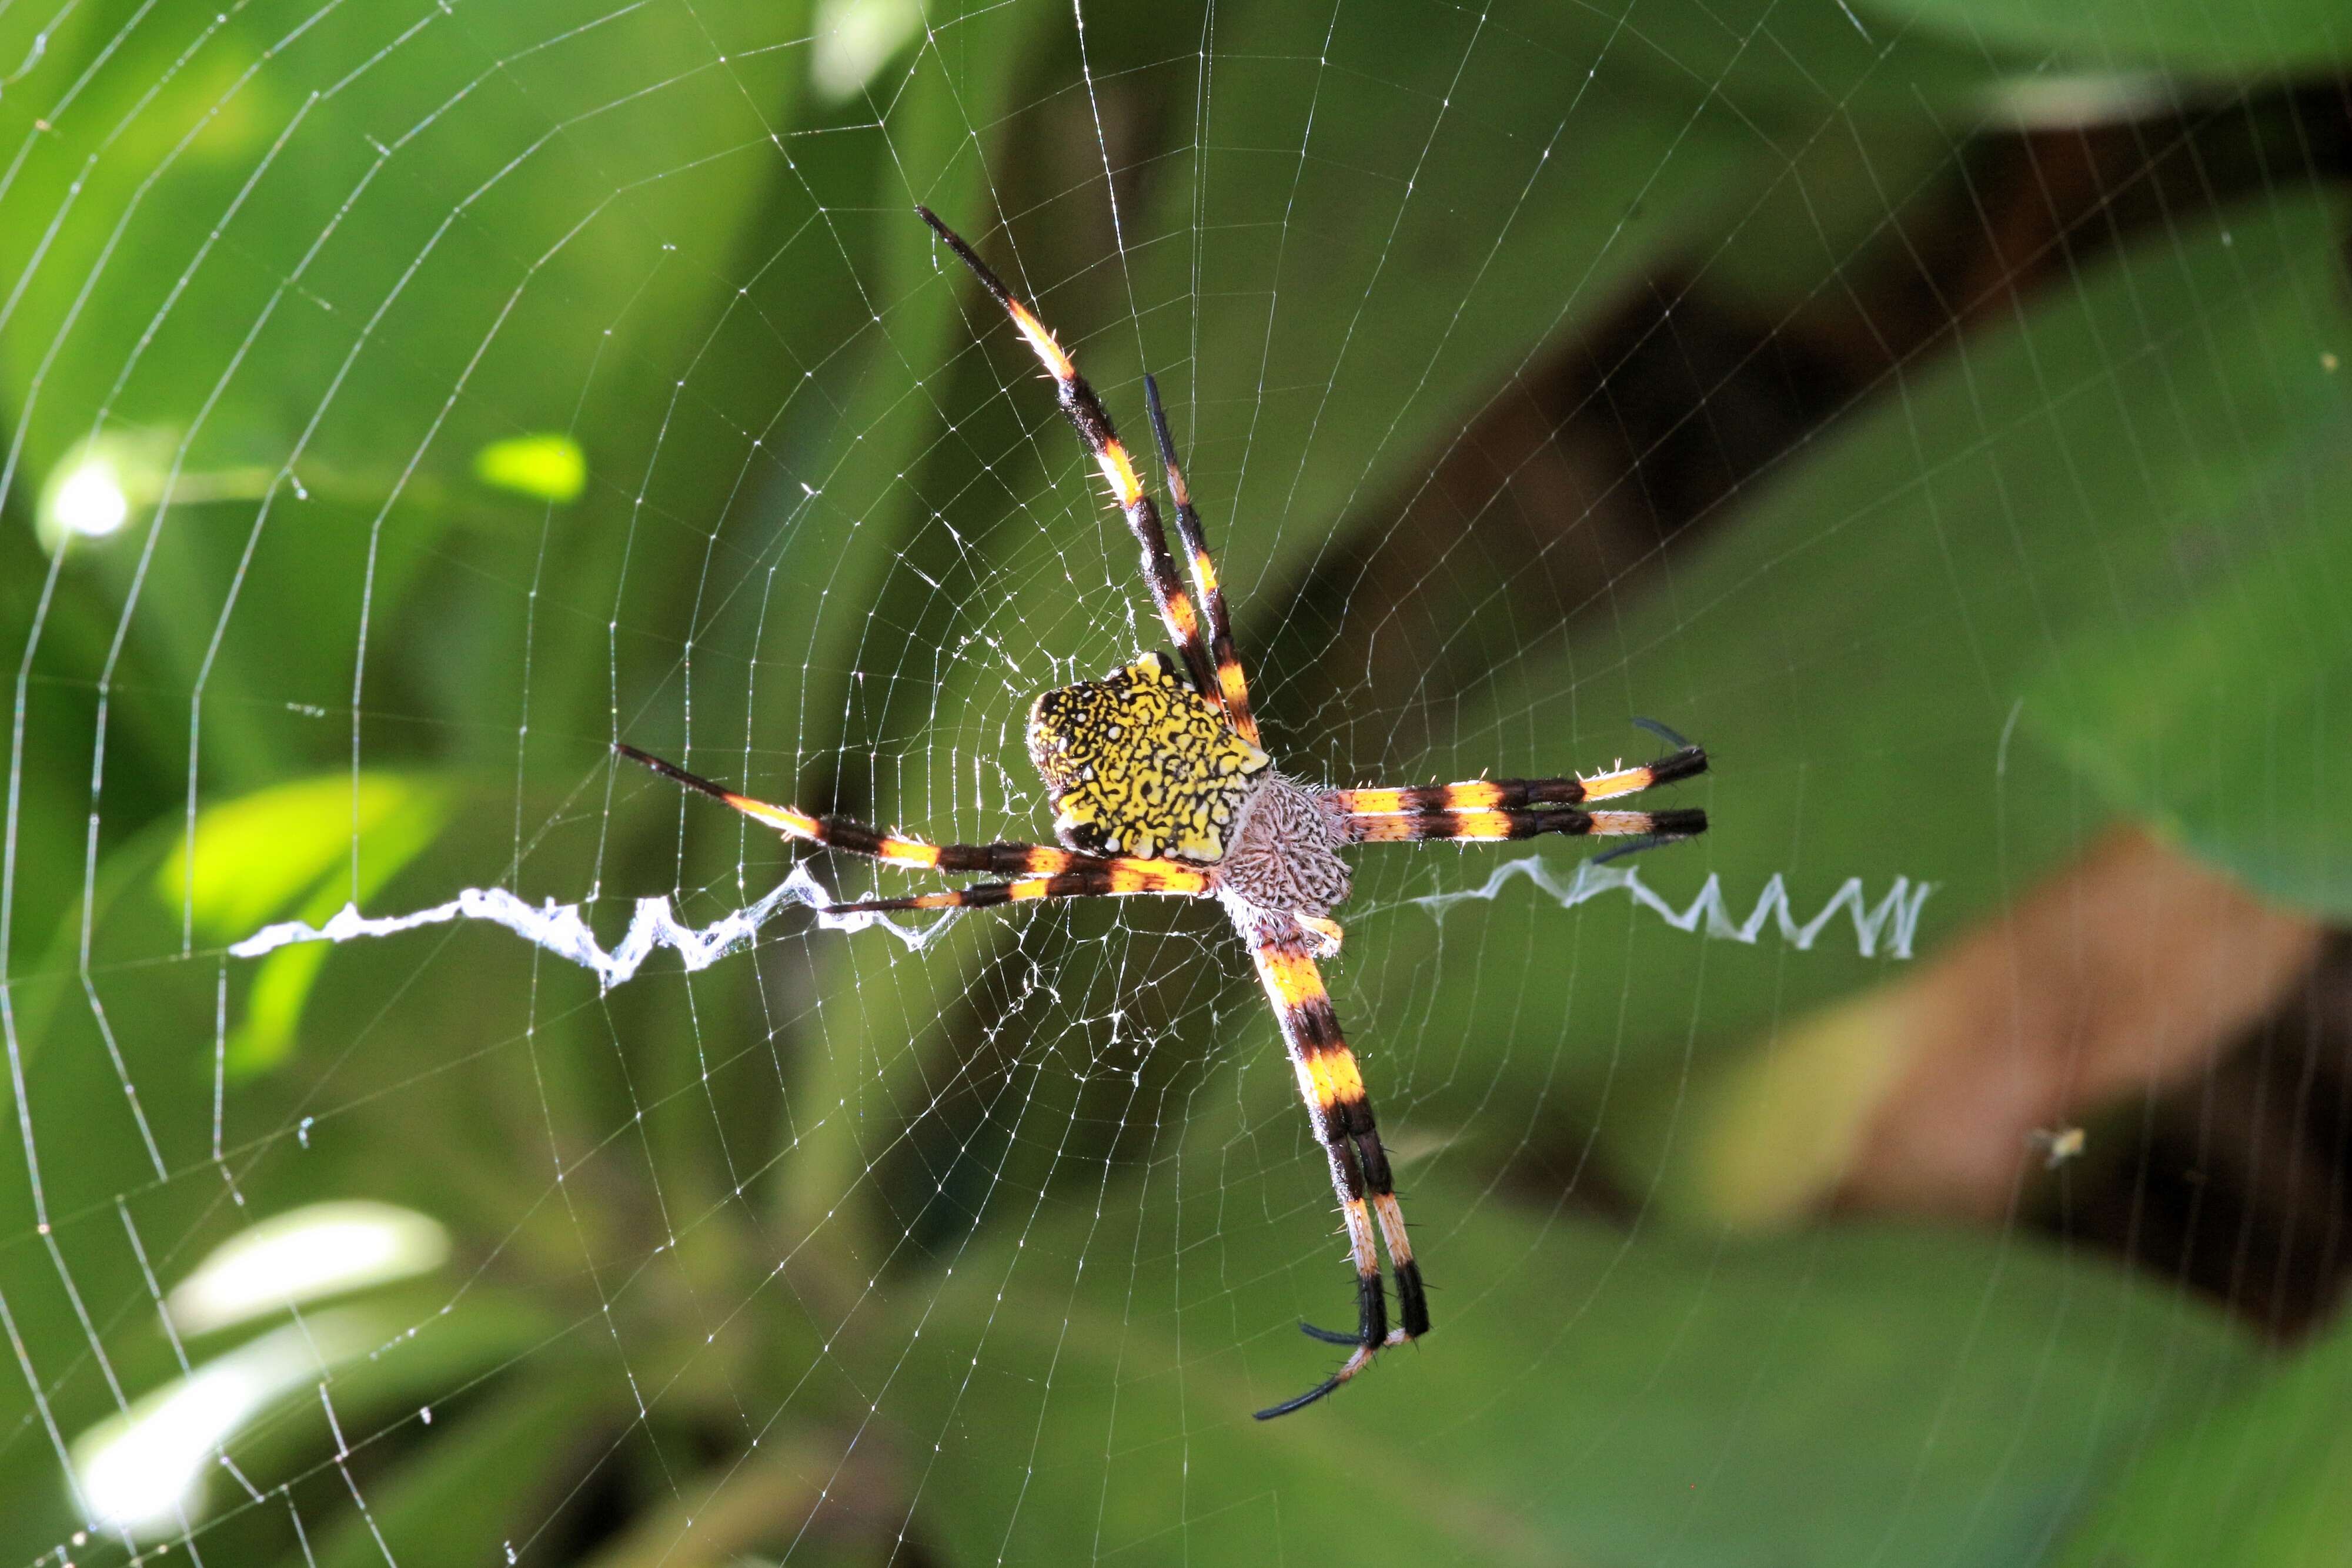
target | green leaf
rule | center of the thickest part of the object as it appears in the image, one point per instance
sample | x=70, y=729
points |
x=306, y=267
x=2213, y=705
x=2193, y=36
x=114, y=1168
x=2265, y=1482
x=336, y=838
x=1586, y=1396
x=1879, y=650
x=479, y=1483
x=255, y=856
x=146, y=1467
x=1347, y=326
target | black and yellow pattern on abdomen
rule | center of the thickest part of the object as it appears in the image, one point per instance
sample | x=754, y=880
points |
x=1140, y=764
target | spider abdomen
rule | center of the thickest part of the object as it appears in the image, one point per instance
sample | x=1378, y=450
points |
x=1139, y=764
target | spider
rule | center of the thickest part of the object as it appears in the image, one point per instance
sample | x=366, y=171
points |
x=1159, y=785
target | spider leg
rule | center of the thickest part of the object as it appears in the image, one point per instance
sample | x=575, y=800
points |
x=1488, y=826
x=1092, y=421
x=892, y=849
x=1233, y=686
x=1120, y=878
x=1636, y=847
x=1331, y=1336
x=1511, y=794
x=1333, y=1087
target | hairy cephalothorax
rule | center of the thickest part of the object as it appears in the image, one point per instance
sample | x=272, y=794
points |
x=1284, y=870
x=1159, y=785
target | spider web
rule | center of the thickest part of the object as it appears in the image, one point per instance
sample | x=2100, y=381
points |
x=440, y=1144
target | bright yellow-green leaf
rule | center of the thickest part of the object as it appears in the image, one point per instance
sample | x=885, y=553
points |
x=273, y=1008
x=256, y=855
x=544, y=467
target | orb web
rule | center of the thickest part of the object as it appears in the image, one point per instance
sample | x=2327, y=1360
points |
x=437, y=1142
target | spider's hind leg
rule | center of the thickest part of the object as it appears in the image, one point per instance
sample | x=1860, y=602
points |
x=1372, y=1334
x=1376, y=1191
x=1372, y=1295
x=1333, y=1087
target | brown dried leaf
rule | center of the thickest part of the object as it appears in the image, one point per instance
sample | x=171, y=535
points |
x=2123, y=975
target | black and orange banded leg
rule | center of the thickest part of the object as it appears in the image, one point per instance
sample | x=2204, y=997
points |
x=1512, y=794
x=1118, y=877
x=1233, y=686
x=1487, y=826
x=1092, y=421
x=1333, y=1088
x=891, y=849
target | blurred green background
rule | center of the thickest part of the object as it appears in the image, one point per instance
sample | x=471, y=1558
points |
x=1937, y=407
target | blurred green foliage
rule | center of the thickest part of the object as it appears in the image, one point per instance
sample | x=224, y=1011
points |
x=836, y=1243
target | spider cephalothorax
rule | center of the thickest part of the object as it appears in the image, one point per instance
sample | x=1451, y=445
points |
x=1284, y=870
x=1159, y=785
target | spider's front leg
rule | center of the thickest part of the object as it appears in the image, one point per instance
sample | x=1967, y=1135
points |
x=1333, y=1088
x=1084, y=408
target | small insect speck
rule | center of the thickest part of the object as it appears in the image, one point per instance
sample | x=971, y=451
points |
x=2058, y=1144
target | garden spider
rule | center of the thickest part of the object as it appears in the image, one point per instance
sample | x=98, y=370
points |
x=1159, y=786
